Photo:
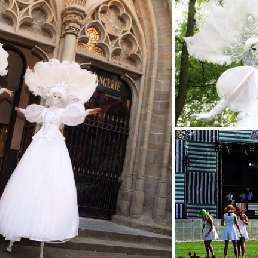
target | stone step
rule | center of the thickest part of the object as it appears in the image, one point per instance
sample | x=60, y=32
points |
x=107, y=236
x=151, y=239
x=105, y=246
x=110, y=246
x=108, y=230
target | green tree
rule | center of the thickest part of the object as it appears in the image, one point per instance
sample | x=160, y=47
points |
x=195, y=81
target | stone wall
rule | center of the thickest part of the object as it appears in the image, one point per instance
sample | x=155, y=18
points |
x=191, y=229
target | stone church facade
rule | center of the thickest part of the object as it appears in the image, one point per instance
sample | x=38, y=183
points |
x=132, y=41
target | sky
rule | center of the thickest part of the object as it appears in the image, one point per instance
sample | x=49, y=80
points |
x=180, y=8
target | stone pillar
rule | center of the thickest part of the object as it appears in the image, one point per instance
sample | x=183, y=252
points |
x=161, y=196
x=72, y=20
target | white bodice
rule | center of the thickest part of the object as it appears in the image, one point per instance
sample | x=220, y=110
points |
x=51, y=123
x=51, y=118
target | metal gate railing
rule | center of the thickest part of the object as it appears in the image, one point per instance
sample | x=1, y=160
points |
x=97, y=150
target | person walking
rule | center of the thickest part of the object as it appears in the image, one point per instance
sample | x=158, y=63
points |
x=208, y=231
x=229, y=221
x=242, y=220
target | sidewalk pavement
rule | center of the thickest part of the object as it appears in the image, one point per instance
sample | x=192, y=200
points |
x=20, y=251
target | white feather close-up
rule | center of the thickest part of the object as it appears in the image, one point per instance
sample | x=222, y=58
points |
x=61, y=76
x=3, y=61
x=219, y=27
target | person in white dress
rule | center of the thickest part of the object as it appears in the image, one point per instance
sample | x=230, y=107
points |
x=223, y=39
x=40, y=201
x=229, y=221
x=208, y=231
x=242, y=220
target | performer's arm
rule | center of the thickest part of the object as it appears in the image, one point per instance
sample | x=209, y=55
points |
x=9, y=92
x=21, y=110
x=33, y=113
x=216, y=110
x=93, y=111
x=210, y=221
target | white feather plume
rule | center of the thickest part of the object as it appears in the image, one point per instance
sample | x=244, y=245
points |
x=45, y=76
x=220, y=27
x=3, y=61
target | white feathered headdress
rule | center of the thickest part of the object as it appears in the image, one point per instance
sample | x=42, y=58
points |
x=224, y=30
x=3, y=61
x=67, y=78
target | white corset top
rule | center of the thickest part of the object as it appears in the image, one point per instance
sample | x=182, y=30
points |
x=51, y=123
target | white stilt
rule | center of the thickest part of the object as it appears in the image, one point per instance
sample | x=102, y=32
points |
x=41, y=249
x=9, y=248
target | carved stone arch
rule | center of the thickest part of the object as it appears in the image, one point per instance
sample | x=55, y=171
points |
x=40, y=53
x=121, y=30
x=131, y=83
x=38, y=17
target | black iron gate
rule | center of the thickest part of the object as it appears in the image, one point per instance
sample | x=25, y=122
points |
x=97, y=149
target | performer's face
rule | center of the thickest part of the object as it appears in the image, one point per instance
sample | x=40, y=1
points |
x=56, y=99
x=254, y=53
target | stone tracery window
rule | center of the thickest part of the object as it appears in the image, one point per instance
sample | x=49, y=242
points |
x=93, y=37
x=36, y=16
x=113, y=23
x=110, y=32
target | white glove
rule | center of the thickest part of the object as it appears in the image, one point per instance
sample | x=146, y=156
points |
x=216, y=110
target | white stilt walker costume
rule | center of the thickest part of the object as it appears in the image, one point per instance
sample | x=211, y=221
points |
x=40, y=200
x=223, y=39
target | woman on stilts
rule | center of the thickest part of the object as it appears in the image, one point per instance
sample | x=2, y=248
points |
x=40, y=200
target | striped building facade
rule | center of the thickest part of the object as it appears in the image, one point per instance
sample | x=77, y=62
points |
x=196, y=170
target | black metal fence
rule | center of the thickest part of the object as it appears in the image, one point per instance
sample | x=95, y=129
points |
x=97, y=150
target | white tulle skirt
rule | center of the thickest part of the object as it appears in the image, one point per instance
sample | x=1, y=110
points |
x=40, y=200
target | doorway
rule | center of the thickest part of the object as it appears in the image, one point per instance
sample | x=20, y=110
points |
x=97, y=150
x=238, y=170
x=13, y=81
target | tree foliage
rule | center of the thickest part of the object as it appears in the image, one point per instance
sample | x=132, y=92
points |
x=201, y=86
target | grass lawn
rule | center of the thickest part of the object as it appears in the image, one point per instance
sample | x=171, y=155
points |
x=182, y=249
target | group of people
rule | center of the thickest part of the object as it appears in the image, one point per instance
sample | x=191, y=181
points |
x=244, y=196
x=234, y=223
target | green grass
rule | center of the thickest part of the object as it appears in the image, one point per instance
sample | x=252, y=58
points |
x=182, y=249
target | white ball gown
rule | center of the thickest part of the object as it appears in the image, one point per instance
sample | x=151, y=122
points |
x=40, y=200
x=239, y=87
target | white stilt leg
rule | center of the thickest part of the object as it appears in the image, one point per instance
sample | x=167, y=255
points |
x=9, y=248
x=41, y=249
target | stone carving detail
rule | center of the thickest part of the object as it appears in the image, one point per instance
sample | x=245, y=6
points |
x=31, y=15
x=113, y=21
x=109, y=32
x=3, y=6
x=93, y=37
x=73, y=20
x=77, y=2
